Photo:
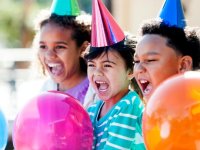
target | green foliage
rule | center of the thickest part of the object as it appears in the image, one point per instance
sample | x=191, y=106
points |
x=10, y=22
x=16, y=20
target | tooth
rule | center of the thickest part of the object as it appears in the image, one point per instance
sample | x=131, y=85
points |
x=100, y=82
x=143, y=81
x=53, y=65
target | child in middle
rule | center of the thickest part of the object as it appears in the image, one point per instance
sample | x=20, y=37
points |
x=116, y=117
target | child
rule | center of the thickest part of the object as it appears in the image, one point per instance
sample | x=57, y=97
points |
x=116, y=117
x=63, y=36
x=165, y=49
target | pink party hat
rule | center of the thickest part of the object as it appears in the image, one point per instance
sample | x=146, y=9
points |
x=105, y=30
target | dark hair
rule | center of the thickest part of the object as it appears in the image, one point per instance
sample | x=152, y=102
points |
x=125, y=48
x=192, y=35
x=81, y=30
x=176, y=38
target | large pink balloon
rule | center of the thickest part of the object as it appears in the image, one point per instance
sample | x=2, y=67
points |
x=53, y=121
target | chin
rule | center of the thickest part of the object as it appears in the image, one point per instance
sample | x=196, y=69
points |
x=146, y=98
x=103, y=98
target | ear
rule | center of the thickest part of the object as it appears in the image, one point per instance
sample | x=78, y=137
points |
x=185, y=64
x=130, y=74
x=83, y=47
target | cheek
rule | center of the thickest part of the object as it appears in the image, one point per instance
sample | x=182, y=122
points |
x=156, y=74
x=161, y=75
x=89, y=74
x=41, y=57
x=119, y=80
x=69, y=60
x=65, y=57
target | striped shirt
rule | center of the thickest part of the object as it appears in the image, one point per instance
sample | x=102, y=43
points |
x=120, y=128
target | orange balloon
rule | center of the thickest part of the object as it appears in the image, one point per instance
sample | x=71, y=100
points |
x=171, y=119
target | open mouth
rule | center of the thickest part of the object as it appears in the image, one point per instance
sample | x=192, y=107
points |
x=55, y=68
x=101, y=86
x=146, y=86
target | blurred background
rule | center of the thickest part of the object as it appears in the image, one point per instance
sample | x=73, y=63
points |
x=19, y=80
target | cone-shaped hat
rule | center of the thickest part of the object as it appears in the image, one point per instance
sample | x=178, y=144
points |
x=65, y=7
x=172, y=13
x=105, y=30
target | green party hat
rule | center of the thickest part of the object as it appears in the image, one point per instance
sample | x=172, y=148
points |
x=65, y=7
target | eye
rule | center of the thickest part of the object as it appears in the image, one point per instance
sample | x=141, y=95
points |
x=107, y=65
x=150, y=60
x=59, y=48
x=43, y=47
x=136, y=61
x=90, y=65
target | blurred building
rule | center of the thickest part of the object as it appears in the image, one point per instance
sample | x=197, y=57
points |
x=131, y=13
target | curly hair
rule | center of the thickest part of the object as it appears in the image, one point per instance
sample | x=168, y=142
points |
x=80, y=25
x=82, y=29
x=183, y=41
x=193, y=36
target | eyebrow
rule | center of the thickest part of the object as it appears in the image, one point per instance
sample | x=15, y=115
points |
x=106, y=61
x=59, y=42
x=148, y=54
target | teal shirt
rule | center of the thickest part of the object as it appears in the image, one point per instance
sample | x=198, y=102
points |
x=120, y=128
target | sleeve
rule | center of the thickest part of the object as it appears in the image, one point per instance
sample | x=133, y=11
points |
x=90, y=97
x=123, y=127
x=48, y=84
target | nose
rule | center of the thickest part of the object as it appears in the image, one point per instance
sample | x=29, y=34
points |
x=50, y=54
x=98, y=72
x=139, y=68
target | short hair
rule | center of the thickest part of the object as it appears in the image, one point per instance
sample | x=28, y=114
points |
x=193, y=37
x=125, y=48
x=184, y=43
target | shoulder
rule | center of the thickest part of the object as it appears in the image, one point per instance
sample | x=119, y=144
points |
x=95, y=106
x=93, y=109
x=90, y=97
x=131, y=104
x=131, y=100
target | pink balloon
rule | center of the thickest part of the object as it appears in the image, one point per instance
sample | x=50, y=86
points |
x=53, y=121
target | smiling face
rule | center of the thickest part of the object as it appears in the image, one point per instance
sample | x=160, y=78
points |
x=154, y=62
x=109, y=76
x=59, y=53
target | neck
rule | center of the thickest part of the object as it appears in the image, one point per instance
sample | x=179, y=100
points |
x=111, y=102
x=70, y=83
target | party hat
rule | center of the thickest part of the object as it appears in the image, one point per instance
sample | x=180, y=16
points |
x=172, y=13
x=105, y=30
x=65, y=7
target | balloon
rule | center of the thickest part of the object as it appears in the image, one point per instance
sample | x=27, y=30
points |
x=3, y=131
x=171, y=120
x=53, y=121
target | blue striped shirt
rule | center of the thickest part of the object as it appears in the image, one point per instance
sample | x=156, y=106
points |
x=120, y=128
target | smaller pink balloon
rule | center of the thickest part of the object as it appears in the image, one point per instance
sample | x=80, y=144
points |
x=53, y=121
